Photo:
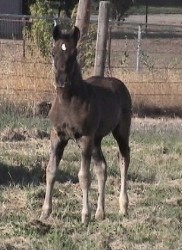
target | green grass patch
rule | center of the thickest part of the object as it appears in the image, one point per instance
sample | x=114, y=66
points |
x=154, y=188
x=18, y=116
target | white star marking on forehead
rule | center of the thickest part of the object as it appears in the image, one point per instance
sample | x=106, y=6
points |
x=63, y=46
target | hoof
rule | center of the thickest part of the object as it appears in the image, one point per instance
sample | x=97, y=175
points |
x=99, y=215
x=123, y=204
x=86, y=218
x=45, y=214
x=123, y=212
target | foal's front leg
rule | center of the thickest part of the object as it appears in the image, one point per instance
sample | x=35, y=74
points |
x=85, y=176
x=57, y=149
x=100, y=167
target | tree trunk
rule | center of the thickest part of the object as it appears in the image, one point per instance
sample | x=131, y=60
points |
x=83, y=16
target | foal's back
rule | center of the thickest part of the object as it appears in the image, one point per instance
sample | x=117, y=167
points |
x=113, y=87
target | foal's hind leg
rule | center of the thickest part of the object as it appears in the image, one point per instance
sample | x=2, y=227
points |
x=124, y=160
x=100, y=168
x=57, y=148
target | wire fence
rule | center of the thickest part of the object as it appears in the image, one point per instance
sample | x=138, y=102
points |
x=148, y=59
x=157, y=47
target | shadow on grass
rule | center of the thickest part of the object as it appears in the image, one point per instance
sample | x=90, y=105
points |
x=136, y=177
x=143, y=110
x=23, y=176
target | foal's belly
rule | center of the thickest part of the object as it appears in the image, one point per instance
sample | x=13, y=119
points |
x=108, y=122
x=71, y=125
x=69, y=131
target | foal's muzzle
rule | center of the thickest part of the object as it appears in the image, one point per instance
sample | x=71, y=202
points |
x=61, y=79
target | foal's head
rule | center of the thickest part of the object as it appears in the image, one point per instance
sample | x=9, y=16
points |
x=64, y=54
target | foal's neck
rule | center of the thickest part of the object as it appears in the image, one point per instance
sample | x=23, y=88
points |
x=76, y=76
x=76, y=83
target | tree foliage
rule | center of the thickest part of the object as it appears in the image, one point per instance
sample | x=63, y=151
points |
x=67, y=6
x=40, y=32
x=119, y=7
x=41, y=29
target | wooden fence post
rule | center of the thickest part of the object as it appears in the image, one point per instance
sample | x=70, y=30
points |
x=83, y=17
x=101, y=43
x=138, y=49
x=24, y=27
x=109, y=51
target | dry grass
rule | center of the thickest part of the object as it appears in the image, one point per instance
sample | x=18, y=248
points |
x=154, y=220
x=34, y=82
x=160, y=89
x=27, y=79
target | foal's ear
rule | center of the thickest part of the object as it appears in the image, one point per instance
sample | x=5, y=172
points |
x=76, y=34
x=56, y=32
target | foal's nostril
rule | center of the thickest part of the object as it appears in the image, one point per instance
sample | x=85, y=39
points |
x=62, y=68
x=61, y=78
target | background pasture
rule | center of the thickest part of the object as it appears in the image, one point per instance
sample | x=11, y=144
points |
x=28, y=77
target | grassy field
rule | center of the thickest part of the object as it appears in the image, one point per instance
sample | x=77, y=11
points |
x=154, y=220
